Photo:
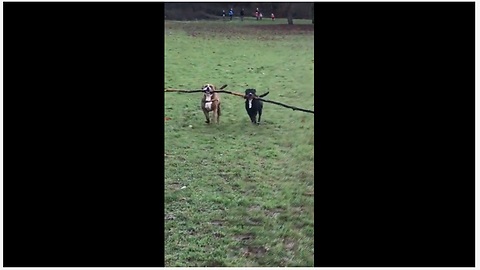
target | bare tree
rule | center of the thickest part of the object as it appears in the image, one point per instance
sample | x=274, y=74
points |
x=289, y=13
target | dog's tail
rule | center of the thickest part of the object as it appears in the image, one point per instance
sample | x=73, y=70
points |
x=264, y=94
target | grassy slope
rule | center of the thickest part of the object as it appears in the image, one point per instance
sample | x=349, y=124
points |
x=248, y=190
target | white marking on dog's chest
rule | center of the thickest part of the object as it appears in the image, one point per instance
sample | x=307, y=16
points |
x=208, y=102
x=250, y=103
x=208, y=105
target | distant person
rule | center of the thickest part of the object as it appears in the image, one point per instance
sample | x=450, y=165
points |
x=223, y=14
x=242, y=13
x=257, y=13
x=273, y=17
x=230, y=13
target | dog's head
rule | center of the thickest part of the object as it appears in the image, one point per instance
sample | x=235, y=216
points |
x=208, y=88
x=250, y=94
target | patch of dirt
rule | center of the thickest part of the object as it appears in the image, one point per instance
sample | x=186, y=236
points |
x=215, y=263
x=253, y=221
x=283, y=27
x=254, y=251
x=298, y=210
x=169, y=217
x=289, y=244
x=299, y=225
x=244, y=237
x=254, y=208
x=218, y=222
x=174, y=185
x=218, y=235
x=260, y=31
x=284, y=261
x=278, y=31
x=274, y=212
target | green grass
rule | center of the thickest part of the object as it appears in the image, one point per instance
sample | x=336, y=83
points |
x=237, y=194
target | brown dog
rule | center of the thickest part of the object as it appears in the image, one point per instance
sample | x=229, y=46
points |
x=211, y=103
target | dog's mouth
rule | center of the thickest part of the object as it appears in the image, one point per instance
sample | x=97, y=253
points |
x=207, y=89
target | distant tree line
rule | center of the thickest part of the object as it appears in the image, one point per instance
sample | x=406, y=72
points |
x=213, y=10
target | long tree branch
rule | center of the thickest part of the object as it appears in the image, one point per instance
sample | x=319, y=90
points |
x=286, y=106
x=242, y=95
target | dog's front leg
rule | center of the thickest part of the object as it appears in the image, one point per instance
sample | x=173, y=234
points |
x=253, y=117
x=207, y=117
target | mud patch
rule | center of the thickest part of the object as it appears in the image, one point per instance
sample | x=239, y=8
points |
x=218, y=235
x=218, y=222
x=275, y=212
x=309, y=193
x=283, y=29
x=215, y=263
x=169, y=217
x=261, y=32
x=175, y=186
x=288, y=244
x=298, y=210
x=254, y=221
x=254, y=208
x=254, y=251
x=244, y=237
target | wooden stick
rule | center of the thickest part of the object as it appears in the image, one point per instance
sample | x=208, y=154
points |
x=242, y=95
x=269, y=101
x=231, y=93
x=183, y=91
x=286, y=106
x=191, y=91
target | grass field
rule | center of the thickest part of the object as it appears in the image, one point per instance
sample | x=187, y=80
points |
x=238, y=194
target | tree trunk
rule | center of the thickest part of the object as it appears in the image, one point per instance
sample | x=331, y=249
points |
x=289, y=13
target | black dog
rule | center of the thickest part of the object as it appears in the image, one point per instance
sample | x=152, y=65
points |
x=253, y=105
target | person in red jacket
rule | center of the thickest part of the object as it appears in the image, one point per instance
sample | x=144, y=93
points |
x=273, y=17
